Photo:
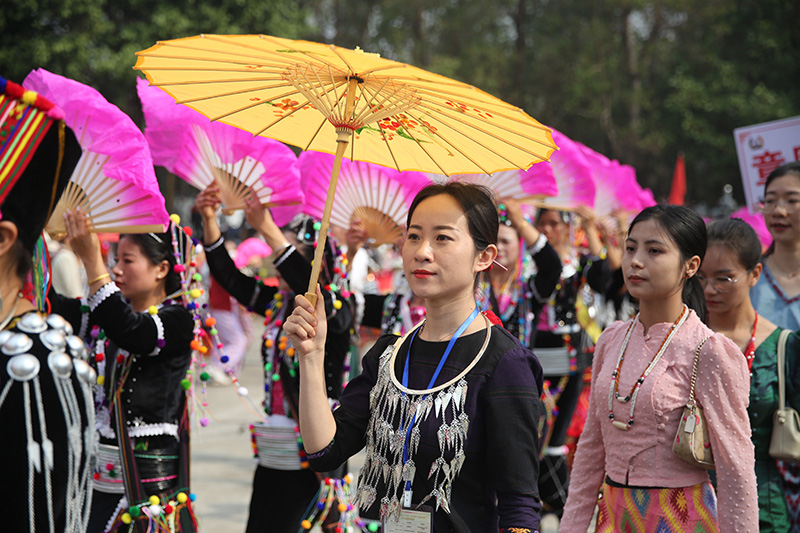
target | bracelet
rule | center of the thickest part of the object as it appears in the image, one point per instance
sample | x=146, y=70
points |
x=98, y=278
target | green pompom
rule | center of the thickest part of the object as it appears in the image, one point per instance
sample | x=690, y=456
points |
x=317, y=226
x=204, y=376
x=186, y=384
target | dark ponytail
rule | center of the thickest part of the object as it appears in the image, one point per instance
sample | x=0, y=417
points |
x=688, y=231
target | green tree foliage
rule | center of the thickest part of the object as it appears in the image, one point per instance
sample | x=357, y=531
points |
x=95, y=41
x=638, y=80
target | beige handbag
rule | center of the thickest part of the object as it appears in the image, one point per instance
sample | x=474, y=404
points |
x=691, y=442
x=785, y=441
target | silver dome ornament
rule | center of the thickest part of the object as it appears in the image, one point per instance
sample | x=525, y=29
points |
x=23, y=367
x=32, y=323
x=77, y=347
x=16, y=344
x=84, y=372
x=54, y=340
x=4, y=336
x=61, y=364
x=58, y=322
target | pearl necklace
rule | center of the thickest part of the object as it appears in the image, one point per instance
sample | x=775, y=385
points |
x=613, y=391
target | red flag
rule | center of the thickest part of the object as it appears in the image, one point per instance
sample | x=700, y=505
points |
x=678, y=190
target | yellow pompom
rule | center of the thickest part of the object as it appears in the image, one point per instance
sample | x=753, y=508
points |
x=101, y=380
x=155, y=500
x=175, y=218
x=153, y=310
x=126, y=518
x=342, y=507
x=345, y=261
x=182, y=497
x=337, y=304
x=29, y=97
x=278, y=297
x=195, y=293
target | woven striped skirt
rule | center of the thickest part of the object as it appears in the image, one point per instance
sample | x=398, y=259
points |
x=638, y=510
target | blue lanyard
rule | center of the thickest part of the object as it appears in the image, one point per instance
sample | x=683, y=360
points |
x=464, y=325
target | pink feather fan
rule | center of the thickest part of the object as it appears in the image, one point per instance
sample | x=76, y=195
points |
x=114, y=183
x=200, y=152
x=378, y=196
x=571, y=172
x=248, y=249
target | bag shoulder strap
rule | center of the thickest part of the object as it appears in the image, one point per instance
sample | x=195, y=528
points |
x=694, y=370
x=782, y=339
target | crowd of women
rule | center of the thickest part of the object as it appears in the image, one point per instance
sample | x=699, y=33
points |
x=489, y=367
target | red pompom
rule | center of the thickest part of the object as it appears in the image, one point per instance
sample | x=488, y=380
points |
x=14, y=91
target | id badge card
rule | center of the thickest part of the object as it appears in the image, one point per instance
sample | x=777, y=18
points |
x=419, y=520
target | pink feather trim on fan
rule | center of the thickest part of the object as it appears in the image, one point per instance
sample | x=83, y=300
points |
x=249, y=248
x=364, y=191
x=114, y=148
x=571, y=172
x=199, y=151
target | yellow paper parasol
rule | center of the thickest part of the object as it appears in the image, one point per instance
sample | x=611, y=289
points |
x=380, y=111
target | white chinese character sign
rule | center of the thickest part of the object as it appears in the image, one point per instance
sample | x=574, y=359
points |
x=761, y=149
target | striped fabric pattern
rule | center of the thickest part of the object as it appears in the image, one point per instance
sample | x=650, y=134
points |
x=24, y=121
x=668, y=510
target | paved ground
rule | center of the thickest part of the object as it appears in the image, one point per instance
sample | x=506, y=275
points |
x=222, y=458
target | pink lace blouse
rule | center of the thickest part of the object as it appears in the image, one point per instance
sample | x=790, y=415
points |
x=643, y=455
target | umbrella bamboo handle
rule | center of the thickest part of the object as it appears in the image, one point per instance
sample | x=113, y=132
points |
x=343, y=135
x=312, y=298
x=341, y=146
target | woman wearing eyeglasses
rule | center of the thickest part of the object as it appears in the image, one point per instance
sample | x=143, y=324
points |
x=776, y=296
x=730, y=268
x=777, y=293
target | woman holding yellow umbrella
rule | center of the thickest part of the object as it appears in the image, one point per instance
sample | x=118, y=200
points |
x=449, y=411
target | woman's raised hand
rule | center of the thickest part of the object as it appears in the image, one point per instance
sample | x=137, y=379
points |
x=307, y=328
x=208, y=201
x=85, y=244
x=587, y=216
x=514, y=211
x=257, y=215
